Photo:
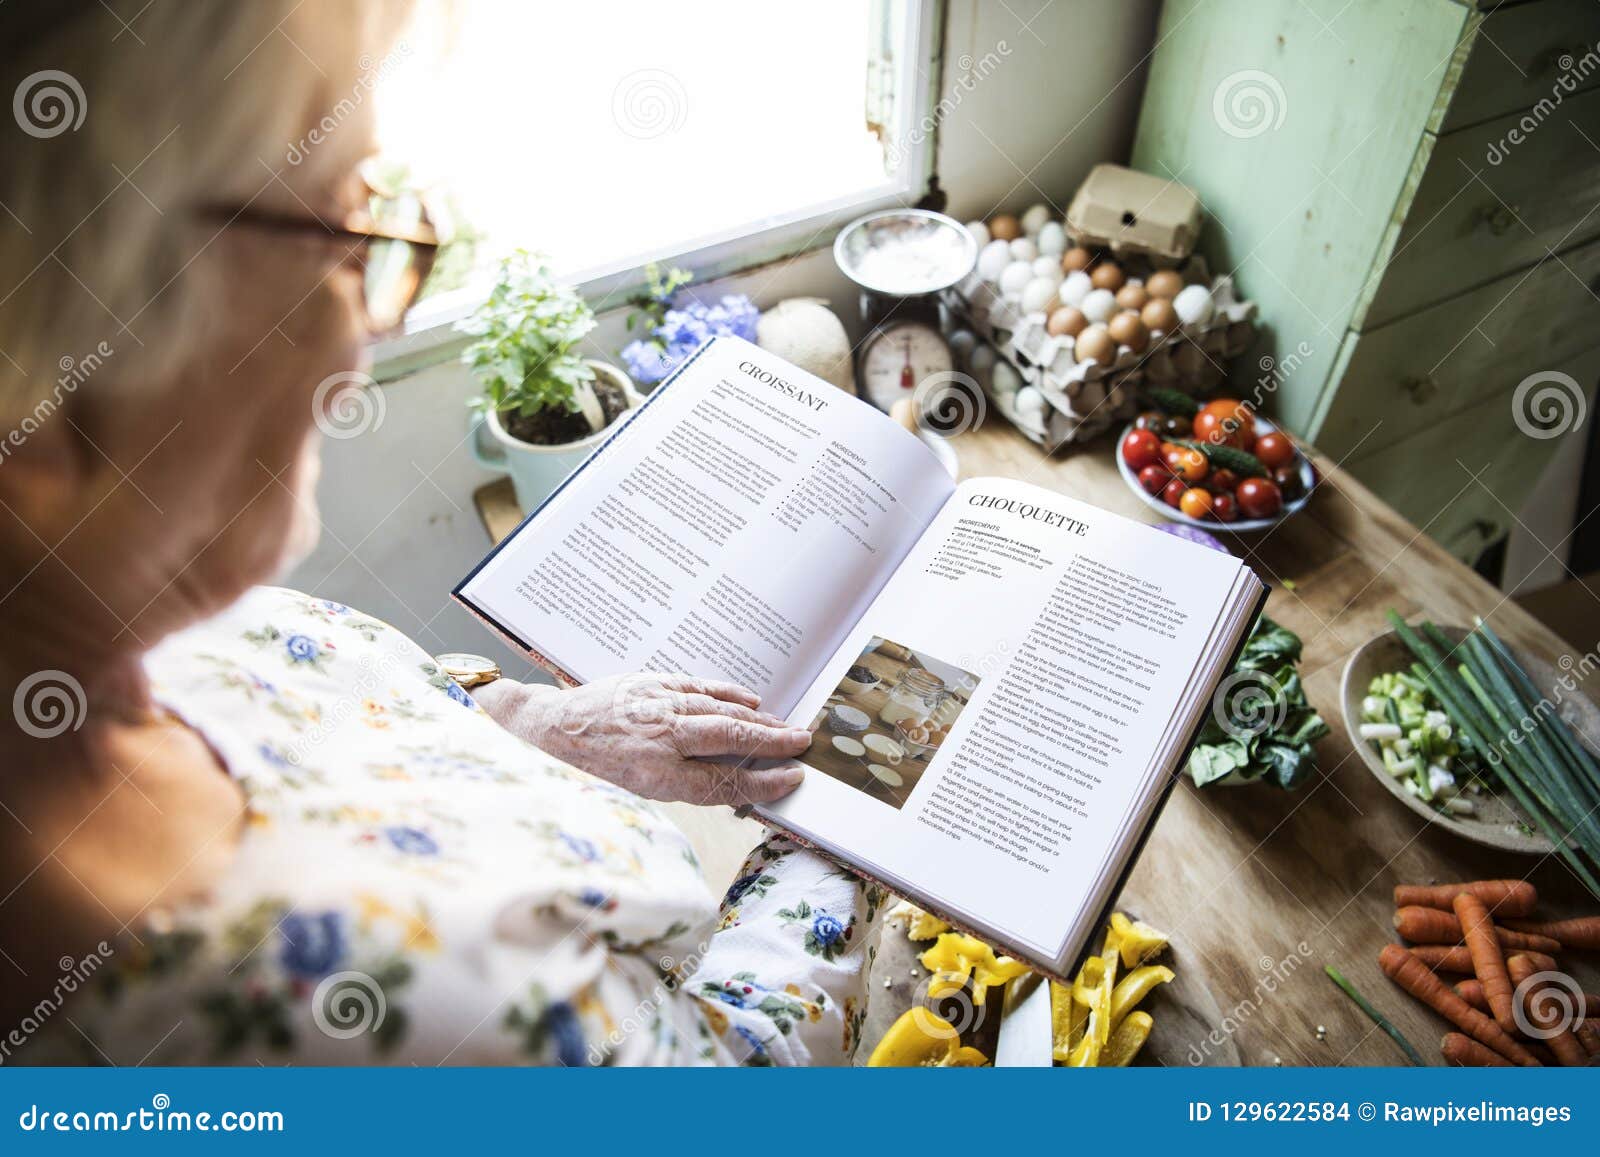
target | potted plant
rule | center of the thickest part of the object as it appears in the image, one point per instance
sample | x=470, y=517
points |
x=544, y=407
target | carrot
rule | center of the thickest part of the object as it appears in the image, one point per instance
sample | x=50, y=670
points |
x=1471, y=991
x=1556, y=1034
x=1460, y=1049
x=1410, y=973
x=1582, y=932
x=1588, y=1035
x=1457, y=957
x=1430, y=926
x=1488, y=964
x=1502, y=897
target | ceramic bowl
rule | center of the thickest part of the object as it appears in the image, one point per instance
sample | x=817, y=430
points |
x=844, y=719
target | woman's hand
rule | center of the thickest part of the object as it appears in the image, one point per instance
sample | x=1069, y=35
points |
x=667, y=737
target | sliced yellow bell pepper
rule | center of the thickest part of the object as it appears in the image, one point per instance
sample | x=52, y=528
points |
x=1126, y=1042
x=921, y=1038
x=1136, y=940
x=1085, y=1054
x=1067, y=1018
x=1134, y=987
x=955, y=957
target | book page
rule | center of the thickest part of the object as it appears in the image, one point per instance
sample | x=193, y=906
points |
x=987, y=733
x=735, y=529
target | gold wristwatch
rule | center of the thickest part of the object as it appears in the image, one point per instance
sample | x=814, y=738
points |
x=468, y=670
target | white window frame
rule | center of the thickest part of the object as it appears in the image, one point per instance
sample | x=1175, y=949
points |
x=429, y=336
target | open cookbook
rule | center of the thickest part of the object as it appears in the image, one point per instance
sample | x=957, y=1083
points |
x=1001, y=680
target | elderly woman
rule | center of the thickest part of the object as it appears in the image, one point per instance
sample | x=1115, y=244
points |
x=247, y=825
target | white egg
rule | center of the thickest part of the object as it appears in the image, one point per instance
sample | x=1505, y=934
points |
x=1014, y=276
x=962, y=342
x=1052, y=239
x=979, y=231
x=1029, y=403
x=1023, y=249
x=1038, y=295
x=1075, y=288
x=1044, y=266
x=1194, y=305
x=1005, y=379
x=1098, y=305
x=996, y=255
x=1034, y=218
x=981, y=363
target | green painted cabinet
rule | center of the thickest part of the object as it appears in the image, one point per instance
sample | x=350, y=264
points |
x=1410, y=189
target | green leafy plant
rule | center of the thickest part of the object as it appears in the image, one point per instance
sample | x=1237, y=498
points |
x=527, y=332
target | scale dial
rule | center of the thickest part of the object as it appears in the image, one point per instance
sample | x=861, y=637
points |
x=899, y=358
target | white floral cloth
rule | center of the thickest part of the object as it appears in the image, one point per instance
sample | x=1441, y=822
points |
x=414, y=885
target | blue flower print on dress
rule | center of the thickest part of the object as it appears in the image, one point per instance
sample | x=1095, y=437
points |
x=313, y=943
x=412, y=841
x=302, y=648
x=580, y=847
x=453, y=689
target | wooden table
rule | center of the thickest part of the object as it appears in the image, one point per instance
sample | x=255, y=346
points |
x=1260, y=888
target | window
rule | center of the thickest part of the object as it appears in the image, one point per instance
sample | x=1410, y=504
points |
x=607, y=134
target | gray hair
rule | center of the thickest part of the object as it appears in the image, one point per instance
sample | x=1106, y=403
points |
x=127, y=121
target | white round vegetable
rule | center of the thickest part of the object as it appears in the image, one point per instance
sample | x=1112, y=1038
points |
x=1004, y=379
x=1194, y=305
x=1015, y=276
x=1052, y=239
x=993, y=259
x=1099, y=304
x=1038, y=295
x=979, y=231
x=1034, y=218
x=1075, y=288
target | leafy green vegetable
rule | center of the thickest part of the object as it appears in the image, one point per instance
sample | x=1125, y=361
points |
x=1260, y=726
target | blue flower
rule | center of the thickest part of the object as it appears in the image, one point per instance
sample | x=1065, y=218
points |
x=313, y=944
x=334, y=608
x=453, y=689
x=592, y=897
x=412, y=841
x=301, y=648
x=826, y=929
x=567, y=1031
x=738, y=888
x=580, y=847
x=682, y=330
x=756, y=1047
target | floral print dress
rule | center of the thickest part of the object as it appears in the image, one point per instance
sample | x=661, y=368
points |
x=414, y=885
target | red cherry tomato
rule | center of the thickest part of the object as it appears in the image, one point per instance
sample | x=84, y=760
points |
x=1196, y=503
x=1140, y=448
x=1259, y=498
x=1189, y=464
x=1224, y=507
x=1274, y=450
x=1222, y=481
x=1169, y=454
x=1226, y=422
x=1172, y=493
x=1154, y=478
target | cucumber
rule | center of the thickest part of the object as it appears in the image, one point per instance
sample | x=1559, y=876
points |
x=1173, y=401
x=1243, y=464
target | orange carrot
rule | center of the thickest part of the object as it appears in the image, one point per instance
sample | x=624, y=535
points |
x=1411, y=974
x=1488, y=964
x=1458, y=958
x=1556, y=1034
x=1502, y=897
x=1430, y=926
x=1460, y=1049
x=1471, y=991
x=1582, y=932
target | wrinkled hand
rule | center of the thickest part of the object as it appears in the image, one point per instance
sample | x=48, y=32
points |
x=666, y=737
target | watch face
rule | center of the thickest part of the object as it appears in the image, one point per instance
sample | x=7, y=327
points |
x=899, y=358
x=468, y=669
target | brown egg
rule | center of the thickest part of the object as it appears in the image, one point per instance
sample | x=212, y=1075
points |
x=1158, y=315
x=1126, y=329
x=1094, y=344
x=1066, y=320
x=1005, y=227
x=1076, y=258
x=1164, y=283
x=1107, y=276
x=1132, y=297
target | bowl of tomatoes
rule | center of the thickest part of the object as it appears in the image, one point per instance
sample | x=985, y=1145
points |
x=1214, y=465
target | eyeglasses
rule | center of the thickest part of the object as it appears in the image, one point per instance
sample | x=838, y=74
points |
x=397, y=243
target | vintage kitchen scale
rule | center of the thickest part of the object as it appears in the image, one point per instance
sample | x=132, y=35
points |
x=902, y=260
